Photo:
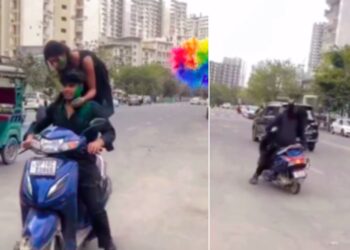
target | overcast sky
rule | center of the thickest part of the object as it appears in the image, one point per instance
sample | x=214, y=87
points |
x=259, y=29
x=198, y=6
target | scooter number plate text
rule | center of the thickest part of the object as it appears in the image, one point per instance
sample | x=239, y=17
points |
x=43, y=168
x=299, y=174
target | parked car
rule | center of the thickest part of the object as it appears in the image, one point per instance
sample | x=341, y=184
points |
x=147, y=99
x=249, y=111
x=269, y=113
x=35, y=100
x=195, y=101
x=227, y=105
x=115, y=103
x=134, y=100
x=203, y=102
x=341, y=126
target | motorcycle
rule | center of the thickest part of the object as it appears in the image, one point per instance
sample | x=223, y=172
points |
x=52, y=215
x=288, y=169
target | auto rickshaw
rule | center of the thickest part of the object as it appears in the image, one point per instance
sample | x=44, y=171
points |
x=11, y=111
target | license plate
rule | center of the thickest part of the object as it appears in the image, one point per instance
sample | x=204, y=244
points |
x=299, y=174
x=43, y=168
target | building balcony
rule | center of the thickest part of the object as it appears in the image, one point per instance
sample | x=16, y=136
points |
x=80, y=18
x=79, y=28
x=80, y=4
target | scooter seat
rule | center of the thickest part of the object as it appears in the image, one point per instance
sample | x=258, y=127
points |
x=294, y=146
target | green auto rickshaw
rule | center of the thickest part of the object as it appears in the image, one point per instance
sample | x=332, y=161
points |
x=11, y=111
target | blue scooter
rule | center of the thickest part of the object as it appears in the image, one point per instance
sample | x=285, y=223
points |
x=288, y=169
x=52, y=216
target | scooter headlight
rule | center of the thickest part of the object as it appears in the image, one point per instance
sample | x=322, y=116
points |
x=56, y=146
x=57, y=187
x=51, y=146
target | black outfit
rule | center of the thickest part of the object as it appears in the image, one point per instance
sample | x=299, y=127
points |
x=89, y=189
x=289, y=128
x=103, y=87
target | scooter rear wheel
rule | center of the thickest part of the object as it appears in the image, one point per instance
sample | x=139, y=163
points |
x=295, y=188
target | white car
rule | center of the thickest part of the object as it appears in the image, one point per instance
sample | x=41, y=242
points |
x=195, y=101
x=227, y=106
x=115, y=103
x=35, y=100
x=147, y=99
x=341, y=126
x=203, y=102
x=251, y=111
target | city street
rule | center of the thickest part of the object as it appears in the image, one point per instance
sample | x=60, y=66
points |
x=159, y=171
x=246, y=217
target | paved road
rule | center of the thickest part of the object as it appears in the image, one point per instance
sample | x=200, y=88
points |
x=159, y=171
x=245, y=217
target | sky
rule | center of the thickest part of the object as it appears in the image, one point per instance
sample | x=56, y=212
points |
x=256, y=30
x=198, y=6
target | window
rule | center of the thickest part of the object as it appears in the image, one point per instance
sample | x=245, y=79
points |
x=63, y=30
x=64, y=18
x=64, y=6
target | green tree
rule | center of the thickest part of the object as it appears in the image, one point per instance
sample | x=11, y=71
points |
x=220, y=93
x=271, y=79
x=151, y=80
x=184, y=90
x=332, y=80
x=35, y=69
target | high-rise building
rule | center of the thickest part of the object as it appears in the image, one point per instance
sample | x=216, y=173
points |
x=36, y=29
x=316, y=46
x=10, y=28
x=63, y=24
x=174, y=20
x=143, y=18
x=230, y=72
x=197, y=26
x=98, y=21
x=125, y=51
x=156, y=50
x=337, y=31
x=215, y=70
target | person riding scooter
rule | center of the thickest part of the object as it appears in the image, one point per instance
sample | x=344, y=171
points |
x=288, y=126
x=61, y=113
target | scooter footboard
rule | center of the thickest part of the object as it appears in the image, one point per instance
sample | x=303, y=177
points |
x=40, y=227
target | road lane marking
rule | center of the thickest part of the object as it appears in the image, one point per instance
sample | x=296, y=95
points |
x=347, y=148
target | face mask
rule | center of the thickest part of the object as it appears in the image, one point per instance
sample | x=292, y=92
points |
x=78, y=92
x=62, y=62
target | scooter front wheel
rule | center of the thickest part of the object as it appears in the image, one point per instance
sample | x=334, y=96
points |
x=55, y=244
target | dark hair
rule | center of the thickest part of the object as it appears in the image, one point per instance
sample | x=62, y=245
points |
x=73, y=76
x=54, y=48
